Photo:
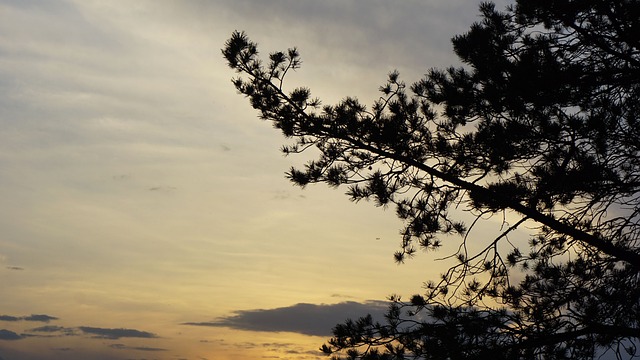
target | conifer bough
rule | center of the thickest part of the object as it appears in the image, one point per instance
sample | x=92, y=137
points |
x=541, y=124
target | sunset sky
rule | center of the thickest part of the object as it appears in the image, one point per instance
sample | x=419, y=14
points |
x=144, y=212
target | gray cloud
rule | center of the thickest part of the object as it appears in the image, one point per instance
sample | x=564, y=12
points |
x=32, y=317
x=105, y=333
x=162, y=188
x=343, y=296
x=48, y=328
x=53, y=331
x=9, y=335
x=139, y=348
x=39, y=317
x=398, y=26
x=307, y=319
x=17, y=268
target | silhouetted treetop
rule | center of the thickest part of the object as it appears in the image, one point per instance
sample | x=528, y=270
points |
x=539, y=126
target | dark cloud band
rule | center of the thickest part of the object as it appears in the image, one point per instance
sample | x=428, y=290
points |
x=307, y=319
x=32, y=317
x=116, y=333
x=55, y=331
x=138, y=348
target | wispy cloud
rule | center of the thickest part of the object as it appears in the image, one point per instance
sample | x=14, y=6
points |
x=162, y=188
x=106, y=333
x=307, y=319
x=53, y=330
x=41, y=318
x=32, y=317
x=62, y=349
x=96, y=332
x=48, y=328
x=138, y=348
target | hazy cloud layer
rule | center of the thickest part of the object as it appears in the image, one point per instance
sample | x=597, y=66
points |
x=121, y=115
x=307, y=319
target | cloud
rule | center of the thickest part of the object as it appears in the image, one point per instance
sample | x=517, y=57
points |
x=17, y=268
x=48, y=328
x=54, y=330
x=105, y=333
x=42, y=318
x=139, y=348
x=9, y=335
x=343, y=296
x=307, y=319
x=162, y=188
x=32, y=317
x=102, y=333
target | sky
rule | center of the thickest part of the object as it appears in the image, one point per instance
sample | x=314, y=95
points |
x=145, y=213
